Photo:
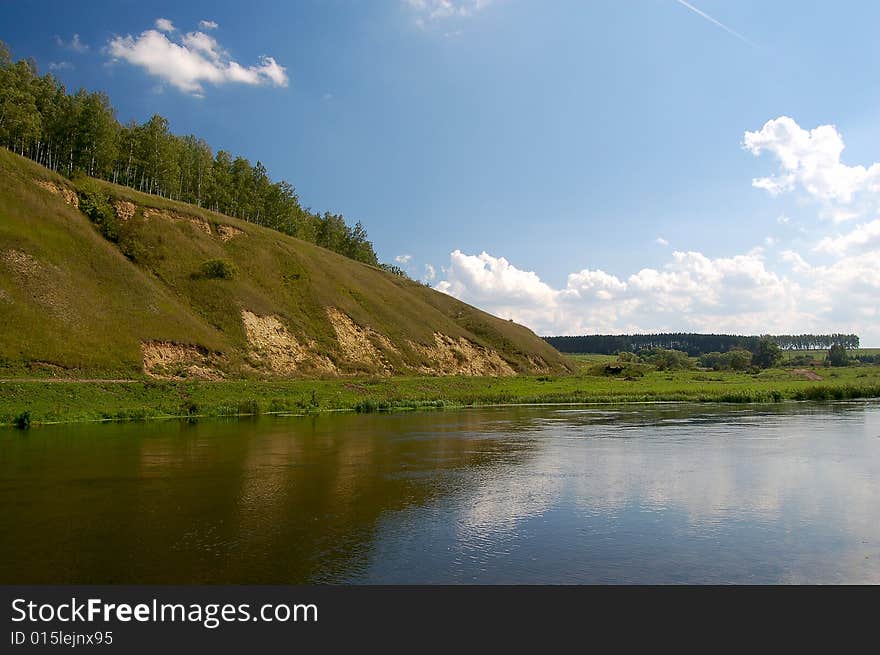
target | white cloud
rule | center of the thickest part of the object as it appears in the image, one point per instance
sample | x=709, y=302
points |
x=810, y=160
x=661, y=241
x=863, y=238
x=192, y=60
x=74, y=44
x=403, y=259
x=846, y=295
x=782, y=219
x=795, y=261
x=430, y=272
x=60, y=65
x=484, y=278
x=208, y=25
x=430, y=11
x=164, y=25
x=692, y=292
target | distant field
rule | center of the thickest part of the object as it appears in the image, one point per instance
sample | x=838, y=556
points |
x=583, y=359
x=820, y=355
x=787, y=355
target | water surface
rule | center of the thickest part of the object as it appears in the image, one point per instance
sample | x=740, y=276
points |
x=635, y=494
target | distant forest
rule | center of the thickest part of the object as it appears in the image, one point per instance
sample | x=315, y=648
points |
x=79, y=133
x=695, y=344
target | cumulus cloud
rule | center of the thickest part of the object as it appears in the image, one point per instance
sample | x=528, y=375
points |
x=74, y=44
x=208, y=25
x=795, y=261
x=810, y=160
x=192, y=60
x=692, y=292
x=661, y=241
x=60, y=65
x=430, y=272
x=403, y=259
x=845, y=294
x=863, y=238
x=164, y=25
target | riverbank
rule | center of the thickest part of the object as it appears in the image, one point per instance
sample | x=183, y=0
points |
x=60, y=401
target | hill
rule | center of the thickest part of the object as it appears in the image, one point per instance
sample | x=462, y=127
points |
x=144, y=285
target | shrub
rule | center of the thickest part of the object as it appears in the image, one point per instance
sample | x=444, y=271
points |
x=767, y=354
x=95, y=204
x=23, y=421
x=666, y=360
x=217, y=269
x=737, y=359
x=248, y=408
x=837, y=356
x=368, y=406
x=188, y=408
x=711, y=360
x=132, y=242
x=622, y=369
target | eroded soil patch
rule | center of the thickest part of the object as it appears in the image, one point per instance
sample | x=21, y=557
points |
x=359, y=344
x=166, y=360
x=448, y=356
x=279, y=351
x=69, y=195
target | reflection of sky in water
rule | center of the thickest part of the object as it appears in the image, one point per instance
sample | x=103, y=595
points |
x=742, y=496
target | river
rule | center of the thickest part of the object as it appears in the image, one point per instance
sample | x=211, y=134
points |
x=786, y=493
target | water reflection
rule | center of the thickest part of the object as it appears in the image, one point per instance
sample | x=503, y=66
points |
x=652, y=493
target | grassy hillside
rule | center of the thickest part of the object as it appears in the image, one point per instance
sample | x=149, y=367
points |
x=179, y=292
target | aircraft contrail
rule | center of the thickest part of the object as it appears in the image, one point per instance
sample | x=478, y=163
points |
x=715, y=22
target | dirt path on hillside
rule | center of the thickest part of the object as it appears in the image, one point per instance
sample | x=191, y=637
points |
x=59, y=380
x=804, y=373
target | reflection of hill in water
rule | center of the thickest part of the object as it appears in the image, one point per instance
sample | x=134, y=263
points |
x=270, y=501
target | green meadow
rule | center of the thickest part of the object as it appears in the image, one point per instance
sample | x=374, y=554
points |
x=48, y=401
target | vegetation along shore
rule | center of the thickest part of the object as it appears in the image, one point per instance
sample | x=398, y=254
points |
x=596, y=380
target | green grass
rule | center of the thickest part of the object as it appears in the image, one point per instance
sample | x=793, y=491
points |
x=62, y=401
x=591, y=358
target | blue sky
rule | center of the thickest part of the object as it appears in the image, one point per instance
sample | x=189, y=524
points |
x=577, y=166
